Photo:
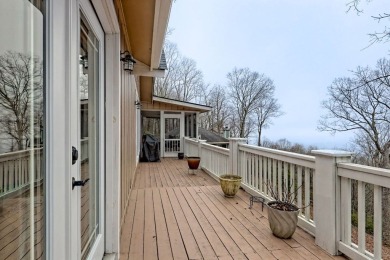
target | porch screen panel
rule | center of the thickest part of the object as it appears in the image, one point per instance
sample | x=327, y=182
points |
x=22, y=176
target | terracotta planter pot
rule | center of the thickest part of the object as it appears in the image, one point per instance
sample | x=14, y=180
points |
x=230, y=184
x=282, y=223
x=193, y=162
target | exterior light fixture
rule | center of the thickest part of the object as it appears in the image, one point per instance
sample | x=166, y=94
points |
x=128, y=61
x=84, y=62
x=138, y=104
x=226, y=131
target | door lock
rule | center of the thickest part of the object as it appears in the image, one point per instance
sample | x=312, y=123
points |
x=75, y=155
x=78, y=183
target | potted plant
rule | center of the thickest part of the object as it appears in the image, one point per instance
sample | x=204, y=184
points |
x=193, y=162
x=230, y=184
x=282, y=211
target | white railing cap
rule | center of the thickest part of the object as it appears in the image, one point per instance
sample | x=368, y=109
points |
x=237, y=139
x=333, y=153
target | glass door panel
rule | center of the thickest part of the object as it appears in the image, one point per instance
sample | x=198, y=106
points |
x=22, y=175
x=89, y=134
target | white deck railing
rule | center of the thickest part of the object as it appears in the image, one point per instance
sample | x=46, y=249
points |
x=215, y=159
x=15, y=170
x=325, y=188
x=172, y=145
x=365, y=176
x=191, y=147
x=260, y=167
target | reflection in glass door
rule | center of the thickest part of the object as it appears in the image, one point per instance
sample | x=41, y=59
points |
x=89, y=134
x=22, y=175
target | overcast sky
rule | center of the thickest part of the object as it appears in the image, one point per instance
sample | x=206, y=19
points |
x=302, y=45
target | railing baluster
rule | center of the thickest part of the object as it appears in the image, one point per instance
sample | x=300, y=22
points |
x=292, y=178
x=345, y=210
x=274, y=173
x=361, y=217
x=269, y=174
x=299, y=173
x=19, y=172
x=256, y=171
x=377, y=222
x=307, y=194
x=249, y=173
x=280, y=178
x=6, y=177
x=245, y=167
x=253, y=171
x=1, y=178
x=285, y=175
x=261, y=180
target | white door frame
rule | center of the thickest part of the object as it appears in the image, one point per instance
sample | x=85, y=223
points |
x=61, y=129
x=163, y=116
x=97, y=249
x=106, y=13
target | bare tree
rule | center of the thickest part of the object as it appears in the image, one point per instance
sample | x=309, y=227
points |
x=20, y=96
x=268, y=109
x=247, y=90
x=361, y=104
x=217, y=117
x=384, y=35
x=163, y=86
x=183, y=80
x=189, y=80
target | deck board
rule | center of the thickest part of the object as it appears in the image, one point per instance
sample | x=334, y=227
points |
x=174, y=214
x=163, y=244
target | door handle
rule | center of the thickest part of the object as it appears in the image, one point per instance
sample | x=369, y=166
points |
x=78, y=183
x=75, y=155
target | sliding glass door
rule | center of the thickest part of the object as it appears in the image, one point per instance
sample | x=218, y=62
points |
x=22, y=129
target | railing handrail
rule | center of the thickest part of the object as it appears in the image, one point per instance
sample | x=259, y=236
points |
x=365, y=169
x=295, y=158
x=215, y=148
x=191, y=140
x=17, y=154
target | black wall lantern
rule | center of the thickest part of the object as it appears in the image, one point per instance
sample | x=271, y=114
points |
x=137, y=104
x=84, y=62
x=128, y=61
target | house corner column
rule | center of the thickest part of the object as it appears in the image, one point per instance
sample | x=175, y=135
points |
x=327, y=198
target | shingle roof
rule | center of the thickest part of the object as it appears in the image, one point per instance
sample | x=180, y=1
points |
x=211, y=137
x=163, y=62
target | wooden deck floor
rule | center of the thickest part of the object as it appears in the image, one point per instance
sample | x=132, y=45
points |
x=176, y=215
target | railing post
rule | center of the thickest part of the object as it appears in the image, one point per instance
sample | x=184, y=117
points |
x=327, y=198
x=233, y=154
x=200, y=142
x=185, y=146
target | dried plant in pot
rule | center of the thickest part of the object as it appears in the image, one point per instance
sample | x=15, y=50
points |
x=282, y=211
